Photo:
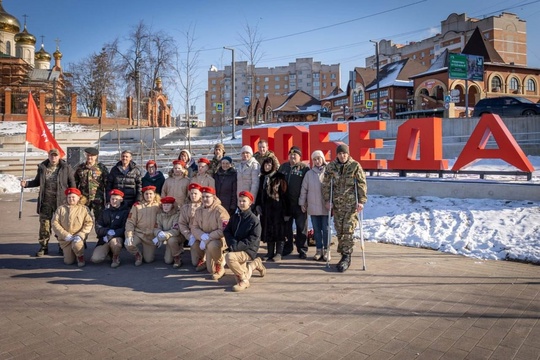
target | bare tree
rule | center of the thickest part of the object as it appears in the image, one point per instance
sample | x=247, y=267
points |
x=251, y=40
x=91, y=78
x=186, y=72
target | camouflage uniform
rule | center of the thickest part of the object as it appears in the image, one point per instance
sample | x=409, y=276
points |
x=343, y=178
x=92, y=182
x=269, y=154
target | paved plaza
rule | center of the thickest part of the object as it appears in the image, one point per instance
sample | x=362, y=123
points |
x=410, y=304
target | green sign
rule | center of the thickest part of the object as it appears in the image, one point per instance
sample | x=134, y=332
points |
x=219, y=107
x=466, y=67
x=457, y=66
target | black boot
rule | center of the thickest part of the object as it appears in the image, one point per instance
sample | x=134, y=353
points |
x=344, y=263
x=279, y=251
x=271, y=245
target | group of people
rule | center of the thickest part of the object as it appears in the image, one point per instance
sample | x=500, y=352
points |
x=220, y=209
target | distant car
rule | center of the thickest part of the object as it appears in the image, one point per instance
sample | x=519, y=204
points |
x=382, y=116
x=506, y=106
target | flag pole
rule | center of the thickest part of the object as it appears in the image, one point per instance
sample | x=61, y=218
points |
x=23, y=178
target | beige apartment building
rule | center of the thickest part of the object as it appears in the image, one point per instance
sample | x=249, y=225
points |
x=255, y=83
x=505, y=32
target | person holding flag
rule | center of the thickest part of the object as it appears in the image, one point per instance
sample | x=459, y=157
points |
x=53, y=177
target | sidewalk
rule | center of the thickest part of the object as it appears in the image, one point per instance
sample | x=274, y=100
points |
x=410, y=304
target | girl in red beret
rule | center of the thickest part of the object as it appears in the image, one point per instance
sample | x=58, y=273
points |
x=167, y=231
x=177, y=183
x=71, y=224
x=185, y=222
x=203, y=177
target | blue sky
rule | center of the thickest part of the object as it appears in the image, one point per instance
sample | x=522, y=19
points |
x=329, y=31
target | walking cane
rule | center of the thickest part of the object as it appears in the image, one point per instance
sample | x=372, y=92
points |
x=329, y=237
x=361, y=220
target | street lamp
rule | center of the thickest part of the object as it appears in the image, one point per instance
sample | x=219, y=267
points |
x=232, y=93
x=378, y=92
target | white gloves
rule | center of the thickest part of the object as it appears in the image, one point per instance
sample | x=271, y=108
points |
x=162, y=236
x=156, y=242
x=111, y=232
x=202, y=245
x=106, y=239
x=191, y=240
x=129, y=241
x=205, y=237
x=68, y=238
x=76, y=238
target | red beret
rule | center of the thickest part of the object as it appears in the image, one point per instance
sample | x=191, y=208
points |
x=116, y=192
x=168, y=200
x=149, y=187
x=194, y=186
x=204, y=160
x=72, y=191
x=208, y=189
x=151, y=162
x=247, y=194
x=181, y=162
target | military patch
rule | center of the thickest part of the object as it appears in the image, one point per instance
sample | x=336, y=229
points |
x=175, y=226
x=224, y=223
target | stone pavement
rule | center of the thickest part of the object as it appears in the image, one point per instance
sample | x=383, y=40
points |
x=410, y=304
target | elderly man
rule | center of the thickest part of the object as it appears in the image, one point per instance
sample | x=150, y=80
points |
x=126, y=176
x=294, y=171
x=264, y=152
x=53, y=177
x=72, y=223
x=91, y=178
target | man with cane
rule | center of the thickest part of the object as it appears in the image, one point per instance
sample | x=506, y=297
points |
x=345, y=192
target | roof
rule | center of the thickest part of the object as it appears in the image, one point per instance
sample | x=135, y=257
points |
x=298, y=100
x=392, y=75
x=478, y=45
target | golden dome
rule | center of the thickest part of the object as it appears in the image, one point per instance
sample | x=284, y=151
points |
x=57, y=54
x=25, y=38
x=42, y=55
x=8, y=23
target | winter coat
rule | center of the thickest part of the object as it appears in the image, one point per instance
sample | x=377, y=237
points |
x=269, y=154
x=191, y=165
x=211, y=220
x=294, y=176
x=168, y=222
x=226, y=185
x=343, y=177
x=65, y=180
x=243, y=233
x=157, y=180
x=129, y=183
x=274, y=206
x=92, y=181
x=72, y=220
x=112, y=219
x=311, y=193
x=142, y=219
x=185, y=219
x=177, y=188
x=204, y=180
x=248, y=176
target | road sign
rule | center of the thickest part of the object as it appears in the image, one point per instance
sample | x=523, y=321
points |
x=324, y=109
x=454, y=92
x=246, y=100
x=369, y=104
x=219, y=107
x=447, y=98
x=446, y=105
x=455, y=99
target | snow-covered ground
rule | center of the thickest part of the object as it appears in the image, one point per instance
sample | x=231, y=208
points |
x=480, y=228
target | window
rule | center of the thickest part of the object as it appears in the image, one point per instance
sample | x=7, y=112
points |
x=292, y=76
x=299, y=72
x=214, y=82
x=332, y=76
x=496, y=84
x=276, y=78
x=266, y=79
x=324, y=77
x=213, y=97
x=531, y=85
x=316, y=75
x=333, y=84
x=514, y=85
x=316, y=84
x=285, y=86
x=276, y=87
x=265, y=87
x=308, y=84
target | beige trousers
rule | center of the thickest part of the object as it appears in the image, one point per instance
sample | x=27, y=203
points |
x=174, y=247
x=238, y=263
x=148, y=248
x=100, y=252
x=72, y=250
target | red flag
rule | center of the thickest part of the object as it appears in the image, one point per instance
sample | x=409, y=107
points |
x=37, y=132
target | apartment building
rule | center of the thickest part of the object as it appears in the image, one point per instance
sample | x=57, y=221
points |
x=505, y=32
x=255, y=83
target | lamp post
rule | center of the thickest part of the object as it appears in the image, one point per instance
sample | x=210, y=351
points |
x=232, y=93
x=378, y=92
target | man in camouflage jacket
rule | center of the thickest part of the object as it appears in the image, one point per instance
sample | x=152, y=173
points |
x=91, y=178
x=349, y=194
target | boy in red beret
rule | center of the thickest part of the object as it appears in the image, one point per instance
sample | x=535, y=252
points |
x=71, y=224
x=185, y=221
x=167, y=231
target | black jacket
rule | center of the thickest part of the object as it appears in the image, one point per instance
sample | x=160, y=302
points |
x=226, y=188
x=130, y=183
x=157, y=180
x=112, y=219
x=294, y=176
x=243, y=233
x=65, y=180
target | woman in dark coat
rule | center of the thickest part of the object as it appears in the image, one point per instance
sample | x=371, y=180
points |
x=225, y=178
x=272, y=205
